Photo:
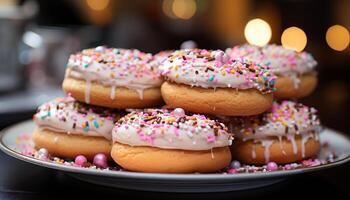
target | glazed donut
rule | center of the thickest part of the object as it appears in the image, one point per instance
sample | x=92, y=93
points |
x=286, y=133
x=115, y=78
x=165, y=141
x=67, y=128
x=296, y=75
x=207, y=81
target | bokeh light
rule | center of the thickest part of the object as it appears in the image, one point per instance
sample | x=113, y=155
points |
x=294, y=38
x=167, y=7
x=97, y=5
x=184, y=9
x=337, y=37
x=257, y=32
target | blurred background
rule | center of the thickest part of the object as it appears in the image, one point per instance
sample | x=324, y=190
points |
x=37, y=36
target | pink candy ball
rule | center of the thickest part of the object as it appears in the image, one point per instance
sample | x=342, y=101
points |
x=179, y=112
x=43, y=154
x=272, y=166
x=80, y=160
x=232, y=171
x=189, y=44
x=100, y=160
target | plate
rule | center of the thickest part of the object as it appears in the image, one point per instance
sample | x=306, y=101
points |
x=214, y=182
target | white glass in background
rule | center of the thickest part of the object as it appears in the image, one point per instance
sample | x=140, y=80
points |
x=45, y=52
x=13, y=19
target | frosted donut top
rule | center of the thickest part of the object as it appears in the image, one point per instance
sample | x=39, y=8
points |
x=170, y=130
x=284, y=119
x=72, y=117
x=129, y=68
x=281, y=60
x=214, y=68
x=160, y=57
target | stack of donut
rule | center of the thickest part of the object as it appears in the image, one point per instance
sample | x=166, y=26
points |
x=115, y=106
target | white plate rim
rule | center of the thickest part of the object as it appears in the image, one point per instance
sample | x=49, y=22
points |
x=159, y=176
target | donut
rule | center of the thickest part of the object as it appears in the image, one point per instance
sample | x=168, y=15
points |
x=114, y=78
x=67, y=128
x=160, y=57
x=209, y=82
x=169, y=141
x=295, y=71
x=287, y=133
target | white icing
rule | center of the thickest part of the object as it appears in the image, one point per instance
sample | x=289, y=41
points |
x=114, y=67
x=214, y=69
x=60, y=115
x=282, y=61
x=176, y=135
x=285, y=120
x=113, y=88
x=87, y=91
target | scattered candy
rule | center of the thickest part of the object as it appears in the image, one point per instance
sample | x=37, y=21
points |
x=232, y=171
x=235, y=164
x=100, y=160
x=272, y=166
x=80, y=160
x=43, y=153
x=189, y=44
x=179, y=112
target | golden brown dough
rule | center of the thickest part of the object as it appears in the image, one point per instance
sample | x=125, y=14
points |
x=69, y=146
x=286, y=89
x=242, y=151
x=101, y=95
x=222, y=101
x=152, y=159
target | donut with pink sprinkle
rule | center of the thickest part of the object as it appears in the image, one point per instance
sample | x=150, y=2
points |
x=170, y=141
x=67, y=128
x=114, y=78
x=295, y=71
x=209, y=81
x=287, y=133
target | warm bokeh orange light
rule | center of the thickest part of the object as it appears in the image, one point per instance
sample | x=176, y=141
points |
x=337, y=37
x=257, y=32
x=97, y=5
x=294, y=38
x=184, y=9
x=167, y=7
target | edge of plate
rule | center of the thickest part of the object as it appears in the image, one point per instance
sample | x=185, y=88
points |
x=158, y=176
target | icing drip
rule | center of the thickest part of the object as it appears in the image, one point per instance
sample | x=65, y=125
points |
x=316, y=136
x=291, y=138
x=253, y=152
x=87, y=90
x=296, y=80
x=140, y=92
x=304, y=139
x=113, y=88
x=281, y=144
x=266, y=144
